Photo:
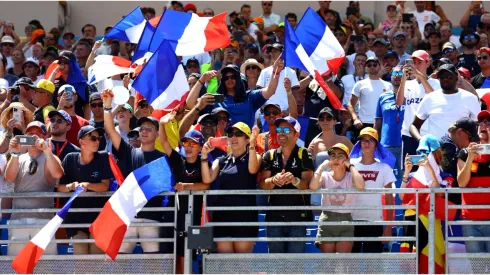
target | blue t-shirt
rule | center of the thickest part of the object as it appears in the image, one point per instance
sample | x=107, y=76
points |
x=392, y=116
x=243, y=111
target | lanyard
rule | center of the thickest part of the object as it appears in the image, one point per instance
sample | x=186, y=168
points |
x=58, y=151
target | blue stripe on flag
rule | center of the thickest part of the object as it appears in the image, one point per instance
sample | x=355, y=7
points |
x=291, y=42
x=304, y=121
x=310, y=30
x=171, y=27
x=144, y=44
x=66, y=207
x=135, y=17
x=154, y=178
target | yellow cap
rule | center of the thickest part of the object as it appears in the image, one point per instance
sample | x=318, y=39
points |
x=242, y=127
x=340, y=146
x=46, y=85
x=370, y=132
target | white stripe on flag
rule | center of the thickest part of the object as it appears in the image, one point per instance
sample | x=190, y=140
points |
x=134, y=33
x=177, y=88
x=193, y=40
x=44, y=236
x=128, y=200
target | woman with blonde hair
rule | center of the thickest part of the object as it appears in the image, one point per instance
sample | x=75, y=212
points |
x=11, y=125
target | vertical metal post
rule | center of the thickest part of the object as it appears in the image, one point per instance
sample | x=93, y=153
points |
x=175, y=235
x=431, y=233
x=416, y=232
x=446, y=233
x=188, y=222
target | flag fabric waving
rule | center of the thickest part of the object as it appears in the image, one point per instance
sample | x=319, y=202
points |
x=138, y=188
x=28, y=257
x=130, y=27
x=295, y=55
x=319, y=42
x=190, y=34
x=163, y=88
x=143, y=48
x=106, y=66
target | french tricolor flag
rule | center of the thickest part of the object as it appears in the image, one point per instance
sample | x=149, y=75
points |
x=138, y=188
x=130, y=28
x=106, y=66
x=28, y=257
x=164, y=87
x=190, y=34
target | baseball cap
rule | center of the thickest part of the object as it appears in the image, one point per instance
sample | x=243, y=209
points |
x=252, y=46
x=483, y=114
x=219, y=110
x=242, y=127
x=436, y=32
x=37, y=124
x=372, y=58
x=449, y=68
x=391, y=54
x=62, y=114
x=7, y=39
x=441, y=61
x=464, y=72
x=68, y=34
x=329, y=111
x=134, y=131
x=341, y=147
x=277, y=46
x=85, y=130
x=380, y=40
x=46, y=85
x=68, y=55
x=52, y=54
x=428, y=143
x=421, y=54
x=400, y=33
x=271, y=38
x=195, y=136
x=25, y=81
x=207, y=115
x=192, y=60
x=273, y=105
x=258, y=20
x=467, y=124
x=143, y=119
x=95, y=96
x=125, y=106
x=32, y=60
x=448, y=45
x=369, y=131
x=233, y=13
x=291, y=120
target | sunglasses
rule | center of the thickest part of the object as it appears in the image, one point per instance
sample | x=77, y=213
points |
x=95, y=138
x=327, y=118
x=469, y=36
x=208, y=123
x=274, y=112
x=397, y=74
x=63, y=63
x=207, y=13
x=236, y=134
x=372, y=65
x=368, y=141
x=192, y=66
x=143, y=105
x=8, y=45
x=484, y=123
x=222, y=118
x=148, y=129
x=133, y=138
x=190, y=144
x=399, y=38
x=445, y=51
x=230, y=77
x=285, y=130
x=97, y=105
x=56, y=120
x=252, y=67
x=484, y=57
x=33, y=167
x=267, y=4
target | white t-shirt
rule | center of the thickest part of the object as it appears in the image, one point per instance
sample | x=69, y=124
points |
x=368, y=92
x=10, y=63
x=349, y=81
x=414, y=93
x=424, y=18
x=202, y=58
x=271, y=19
x=251, y=30
x=441, y=110
x=350, y=67
x=377, y=175
x=104, y=49
x=280, y=97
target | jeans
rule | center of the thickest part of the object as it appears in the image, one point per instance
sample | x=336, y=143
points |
x=286, y=231
x=477, y=231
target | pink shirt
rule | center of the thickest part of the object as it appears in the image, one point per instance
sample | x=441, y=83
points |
x=337, y=199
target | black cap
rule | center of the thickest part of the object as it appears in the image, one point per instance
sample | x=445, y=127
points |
x=391, y=54
x=233, y=68
x=153, y=120
x=329, y=111
x=135, y=130
x=85, y=130
x=253, y=46
x=24, y=81
x=380, y=40
x=277, y=46
x=95, y=96
x=436, y=32
x=208, y=115
x=469, y=125
x=448, y=67
x=468, y=31
x=441, y=61
x=68, y=55
x=52, y=54
x=194, y=60
x=219, y=110
x=274, y=105
x=233, y=13
x=272, y=38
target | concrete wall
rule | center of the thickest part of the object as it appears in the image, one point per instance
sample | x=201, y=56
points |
x=103, y=13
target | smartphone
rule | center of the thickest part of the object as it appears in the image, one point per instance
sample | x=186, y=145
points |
x=218, y=141
x=17, y=114
x=356, y=38
x=69, y=96
x=416, y=158
x=407, y=17
x=409, y=62
x=219, y=98
x=26, y=140
x=351, y=11
x=484, y=149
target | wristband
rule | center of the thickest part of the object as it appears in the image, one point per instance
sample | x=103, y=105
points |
x=204, y=160
x=15, y=154
x=251, y=148
x=200, y=82
x=108, y=108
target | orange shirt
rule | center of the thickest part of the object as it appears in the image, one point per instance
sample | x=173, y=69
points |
x=272, y=142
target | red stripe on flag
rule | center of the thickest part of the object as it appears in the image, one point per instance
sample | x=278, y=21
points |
x=176, y=104
x=336, y=104
x=121, y=62
x=115, y=170
x=216, y=33
x=108, y=231
x=27, y=258
x=334, y=64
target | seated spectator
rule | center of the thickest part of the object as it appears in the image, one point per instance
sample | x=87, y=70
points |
x=358, y=16
x=447, y=34
x=67, y=103
x=223, y=118
x=251, y=52
x=330, y=18
x=450, y=52
x=390, y=61
x=38, y=170
x=342, y=175
x=292, y=19
x=68, y=41
x=483, y=40
x=480, y=81
x=467, y=59
x=8, y=44
x=399, y=45
x=236, y=171
x=360, y=46
x=472, y=15
x=42, y=98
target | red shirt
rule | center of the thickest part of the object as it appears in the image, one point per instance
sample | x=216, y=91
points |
x=77, y=122
x=480, y=178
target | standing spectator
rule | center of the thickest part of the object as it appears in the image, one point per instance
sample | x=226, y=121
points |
x=367, y=92
x=177, y=6
x=90, y=170
x=331, y=19
x=82, y=52
x=134, y=138
x=288, y=167
x=342, y=175
x=148, y=12
x=59, y=124
x=399, y=44
x=431, y=6
x=424, y=16
x=389, y=118
x=190, y=8
x=412, y=91
x=43, y=98
x=50, y=40
x=268, y=140
x=207, y=12
x=450, y=52
x=324, y=7
x=459, y=104
x=38, y=170
x=350, y=80
x=483, y=120
x=97, y=120
x=376, y=175
x=435, y=45
x=483, y=39
x=192, y=66
x=236, y=171
x=124, y=114
x=89, y=31
x=447, y=35
x=467, y=59
x=271, y=20
x=8, y=45
x=358, y=16
x=292, y=19
x=472, y=15
x=67, y=103
x=223, y=118
x=316, y=98
x=390, y=60
x=12, y=127
x=390, y=21
x=360, y=46
x=68, y=40
x=481, y=80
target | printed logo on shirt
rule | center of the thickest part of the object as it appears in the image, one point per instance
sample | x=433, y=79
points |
x=414, y=100
x=95, y=174
x=394, y=108
x=369, y=175
x=294, y=164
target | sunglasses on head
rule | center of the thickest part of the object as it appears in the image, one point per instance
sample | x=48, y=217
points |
x=132, y=138
x=445, y=51
x=190, y=144
x=327, y=118
x=208, y=123
x=229, y=77
x=97, y=105
x=285, y=130
x=397, y=74
x=33, y=167
x=146, y=129
x=469, y=36
x=56, y=120
x=484, y=57
x=273, y=112
x=95, y=138
x=251, y=67
x=236, y=134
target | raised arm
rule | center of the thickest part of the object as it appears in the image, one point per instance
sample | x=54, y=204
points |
x=277, y=67
x=53, y=164
x=254, y=159
x=208, y=174
x=464, y=167
x=316, y=180
x=162, y=134
x=293, y=108
x=13, y=164
x=194, y=93
x=193, y=114
x=91, y=57
x=109, y=126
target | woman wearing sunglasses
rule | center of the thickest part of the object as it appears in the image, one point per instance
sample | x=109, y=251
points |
x=89, y=169
x=236, y=171
x=251, y=69
x=341, y=175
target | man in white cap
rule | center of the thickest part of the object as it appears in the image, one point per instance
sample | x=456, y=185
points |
x=8, y=44
x=32, y=70
x=67, y=96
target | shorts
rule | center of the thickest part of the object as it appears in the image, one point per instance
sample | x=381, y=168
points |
x=236, y=231
x=332, y=231
x=26, y=234
x=141, y=232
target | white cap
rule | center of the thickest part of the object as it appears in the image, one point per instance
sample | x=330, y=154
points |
x=4, y=84
x=32, y=60
x=7, y=39
x=62, y=88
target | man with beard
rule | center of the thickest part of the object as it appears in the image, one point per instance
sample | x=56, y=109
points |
x=67, y=103
x=469, y=39
x=59, y=125
x=450, y=52
x=481, y=80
